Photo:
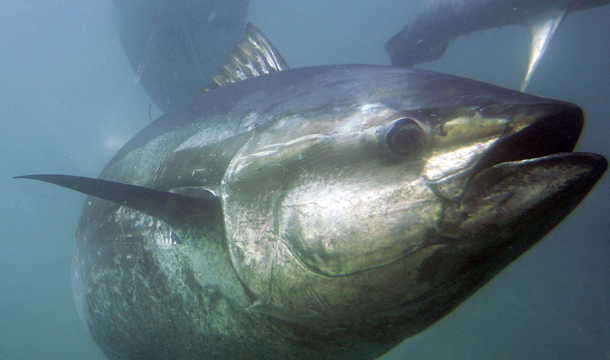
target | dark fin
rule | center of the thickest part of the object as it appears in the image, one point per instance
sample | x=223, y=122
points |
x=253, y=57
x=177, y=210
x=407, y=50
x=397, y=50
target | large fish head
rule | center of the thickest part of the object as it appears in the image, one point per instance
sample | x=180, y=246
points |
x=400, y=209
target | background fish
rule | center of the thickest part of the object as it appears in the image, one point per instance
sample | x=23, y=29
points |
x=438, y=22
x=175, y=47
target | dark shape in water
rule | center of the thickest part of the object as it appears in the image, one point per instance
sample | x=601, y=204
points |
x=438, y=22
x=175, y=47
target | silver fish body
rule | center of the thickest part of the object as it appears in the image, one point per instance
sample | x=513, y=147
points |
x=342, y=209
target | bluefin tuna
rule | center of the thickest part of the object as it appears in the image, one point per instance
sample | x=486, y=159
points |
x=175, y=47
x=325, y=212
x=438, y=22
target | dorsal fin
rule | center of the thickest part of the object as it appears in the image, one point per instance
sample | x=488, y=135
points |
x=177, y=210
x=253, y=57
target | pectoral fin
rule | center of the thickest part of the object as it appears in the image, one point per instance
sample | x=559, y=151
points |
x=177, y=210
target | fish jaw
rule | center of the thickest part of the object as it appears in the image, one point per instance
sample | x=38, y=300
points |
x=537, y=191
x=505, y=211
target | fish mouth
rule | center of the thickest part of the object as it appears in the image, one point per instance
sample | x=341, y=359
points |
x=535, y=153
x=535, y=132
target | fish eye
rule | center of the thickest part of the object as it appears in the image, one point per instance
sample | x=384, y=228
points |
x=405, y=137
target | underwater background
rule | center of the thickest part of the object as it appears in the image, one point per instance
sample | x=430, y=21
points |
x=68, y=101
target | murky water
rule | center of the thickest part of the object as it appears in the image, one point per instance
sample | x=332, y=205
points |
x=68, y=101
